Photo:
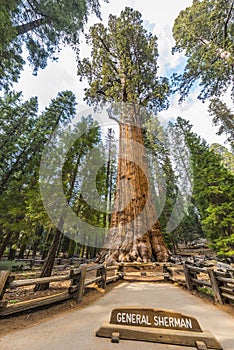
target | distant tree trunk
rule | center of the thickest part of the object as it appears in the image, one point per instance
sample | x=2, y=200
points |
x=5, y=243
x=82, y=251
x=45, y=249
x=12, y=253
x=134, y=233
x=13, y=247
x=71, y=248
x=64, y=246
x=109, y=177
x=38, y=235
x=22, y=250
x=49, y=263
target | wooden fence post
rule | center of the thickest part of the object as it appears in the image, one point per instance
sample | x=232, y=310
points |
x=166, y=273
x=215, y=287
x=31, y=262
x=188, y=280
x=80, y=283
x=3, y=279
x=231, y=272
x=121, y=270
x=102, y=272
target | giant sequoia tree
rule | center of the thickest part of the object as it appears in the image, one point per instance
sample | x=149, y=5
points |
x=41, y=27
x=123, y=69
x=205, y=31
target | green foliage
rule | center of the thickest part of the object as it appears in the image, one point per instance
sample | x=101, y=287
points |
x=162, y=176
x=123, y=64
x=42, y=27
x=190, y=227
x=23, y=136
x=213, y=190
x=14, y=301
x=78, y=168
x=18, y=120
x=205, y=290
x=12, y=265
x=224, y=246
x=205, y=31
x=224, y=118
x=11, y=61
x=170, y=174
x=226, y=156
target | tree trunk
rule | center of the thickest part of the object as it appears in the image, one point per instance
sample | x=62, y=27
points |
x=47, y=241
x=49, y=263
x=11, y=254
x=5, y=243
x=71, y=248
x=134, y=233
x=22, y=250
x=82, y=251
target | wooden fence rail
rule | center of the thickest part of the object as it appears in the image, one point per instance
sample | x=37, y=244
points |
x=165, y=272
x=220, y=282
x=79, y=282
x=58, y=263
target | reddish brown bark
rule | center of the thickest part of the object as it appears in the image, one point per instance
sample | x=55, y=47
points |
x=134, y=233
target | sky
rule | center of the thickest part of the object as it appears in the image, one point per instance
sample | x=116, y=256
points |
x=158, y=16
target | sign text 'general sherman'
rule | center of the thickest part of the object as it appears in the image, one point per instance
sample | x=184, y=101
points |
x=155, y=318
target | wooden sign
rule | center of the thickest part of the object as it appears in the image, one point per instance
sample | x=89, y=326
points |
x=154, y=318
x=158, y=326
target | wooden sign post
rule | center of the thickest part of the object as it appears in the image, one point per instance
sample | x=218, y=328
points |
x=157, y=325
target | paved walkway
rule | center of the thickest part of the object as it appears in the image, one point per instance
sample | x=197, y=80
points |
x=76, y=330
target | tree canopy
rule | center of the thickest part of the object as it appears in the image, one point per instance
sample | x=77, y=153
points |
x=123, y=64
x=213, y=190
x=42, y=27
x=224, y=118
x=205, y=31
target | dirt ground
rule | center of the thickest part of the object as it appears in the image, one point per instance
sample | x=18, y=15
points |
x=12, y=323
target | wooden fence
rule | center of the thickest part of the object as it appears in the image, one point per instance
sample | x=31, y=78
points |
x=59, y=263
x=79, y=280
x=220, y=283
x=78, y=283
x=162, y=273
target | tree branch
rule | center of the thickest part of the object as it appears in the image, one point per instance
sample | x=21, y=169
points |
x=106, y=47
x=101, y=92
x=227, y=20
x=32, y=7
x=26, y=27
x=224, y=54
x=113, y=118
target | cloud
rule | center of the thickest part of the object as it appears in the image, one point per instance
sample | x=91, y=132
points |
x=158, y=17
x=168, y=63
x=197, y=113
x=56, y=77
